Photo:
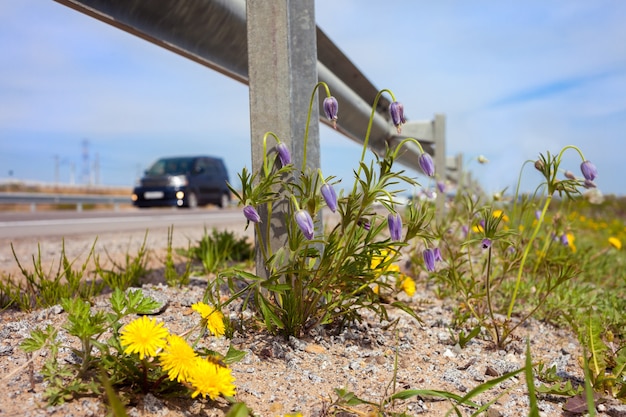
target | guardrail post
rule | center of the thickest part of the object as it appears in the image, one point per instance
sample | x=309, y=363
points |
x=439, y=127
x=33, y=207
x=282, y=69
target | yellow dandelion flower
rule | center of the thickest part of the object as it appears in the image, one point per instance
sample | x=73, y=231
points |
x=208, y=378
x=498, y=213
x=408, y=286
x=298, y=414
x=213, y=317
x=615, y=242
x=177, y=358
x=477, y=228
x=143, y=336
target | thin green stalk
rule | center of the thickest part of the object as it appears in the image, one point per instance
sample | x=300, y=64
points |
x=489, y=304
x=527, y=249
x=308, y=120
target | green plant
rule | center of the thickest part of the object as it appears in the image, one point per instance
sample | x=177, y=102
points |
x=316, y=277
x=127, y=275
x=215, y=250
x=141, y=356
x=43, y=289
x=172, y=277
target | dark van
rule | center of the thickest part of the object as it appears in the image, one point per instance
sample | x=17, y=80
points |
x=187, y=181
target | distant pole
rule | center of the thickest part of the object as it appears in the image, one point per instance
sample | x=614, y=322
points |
x=282, y=69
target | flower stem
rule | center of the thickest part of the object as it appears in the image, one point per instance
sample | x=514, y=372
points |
x=308, y=119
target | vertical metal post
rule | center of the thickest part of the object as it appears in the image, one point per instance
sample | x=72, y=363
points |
x=439, y=128
x=282, y=70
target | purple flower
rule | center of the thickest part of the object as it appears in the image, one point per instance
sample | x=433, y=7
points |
x=364, y=223
x=537, y=214
x=394, y=221
x=589, y=170
x=589, y=184
x=564, y=239
x=486, y=243
x=305, y=223
x=464, y=230
x=283, y=154
x=396, y=111
x=328, y=192
x=427, y=164
x=331, y=108
x=569, y=175
x=438, y=256
x=441, y=186
x=251, y=214
x=429, y=259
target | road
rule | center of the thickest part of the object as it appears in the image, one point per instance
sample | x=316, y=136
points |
x=14, y=225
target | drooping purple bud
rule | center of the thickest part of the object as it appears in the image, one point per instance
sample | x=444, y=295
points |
x=394, y=221
x=564, y=239
x=331, y=108
x=537, y=214
x=396, y=111
x=328, y=192
x=589, y=170
x=429, y=259
x=427, y=164
x=364, y=223
x=438, y=256
x=283, y=154
x=441, y=186
x=251, y=214
x=569, y=175
x=486, y=243
x=305, y=223
x=465, y=230
x=589, y=184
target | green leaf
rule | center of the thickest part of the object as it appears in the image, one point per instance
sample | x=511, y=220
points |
x=38, y=339
x=239, y=410
x=233, y=355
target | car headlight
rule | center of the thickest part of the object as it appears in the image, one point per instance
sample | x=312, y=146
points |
x=178, y=181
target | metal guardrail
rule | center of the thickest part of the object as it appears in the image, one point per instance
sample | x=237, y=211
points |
x=33, y=199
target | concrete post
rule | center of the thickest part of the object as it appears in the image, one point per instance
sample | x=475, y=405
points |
x=439, y=127
x=282, y=69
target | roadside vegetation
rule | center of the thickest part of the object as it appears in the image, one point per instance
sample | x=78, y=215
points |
x=554, y=255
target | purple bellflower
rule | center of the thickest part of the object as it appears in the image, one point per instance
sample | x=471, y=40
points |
x=429, y=259
x=283, y=154
x=486, y=243
x=441, y=186
x=427, y=164
x=438, y=256
x=331, y=108
x=364, y=223
x=328, y=192
x=305, y=223
x=395, y=226
x=564, y=239
x=589, y=170
x=251, y=214
x=396, y=111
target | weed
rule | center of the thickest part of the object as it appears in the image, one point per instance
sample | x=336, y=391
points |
x=127, y=275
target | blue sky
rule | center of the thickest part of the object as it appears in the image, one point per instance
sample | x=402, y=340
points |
x=514, y=79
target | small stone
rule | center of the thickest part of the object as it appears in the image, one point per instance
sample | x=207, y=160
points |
x=313, y=348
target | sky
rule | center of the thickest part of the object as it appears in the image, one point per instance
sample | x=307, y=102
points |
x=82, y=101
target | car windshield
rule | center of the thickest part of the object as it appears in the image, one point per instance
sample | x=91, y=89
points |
x=170, y=166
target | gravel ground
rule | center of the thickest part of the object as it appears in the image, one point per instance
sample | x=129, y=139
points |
x=279, y=376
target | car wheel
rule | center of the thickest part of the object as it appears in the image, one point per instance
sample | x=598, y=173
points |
x=225, y=201
x=192, y=201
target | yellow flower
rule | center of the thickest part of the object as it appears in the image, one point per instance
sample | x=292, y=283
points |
x=213, y=317
x=382, y=258
x=408, y=285
x=570, y=241
x=615, y=242
x=177, y=358
x=477, y=228
x=298, y=414
x=498, y=213
x=143, y=336
x=208, y=378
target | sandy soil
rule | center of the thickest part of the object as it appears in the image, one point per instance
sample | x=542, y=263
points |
x=278, y=376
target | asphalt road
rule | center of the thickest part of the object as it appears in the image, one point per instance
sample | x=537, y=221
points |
x=65, y=223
